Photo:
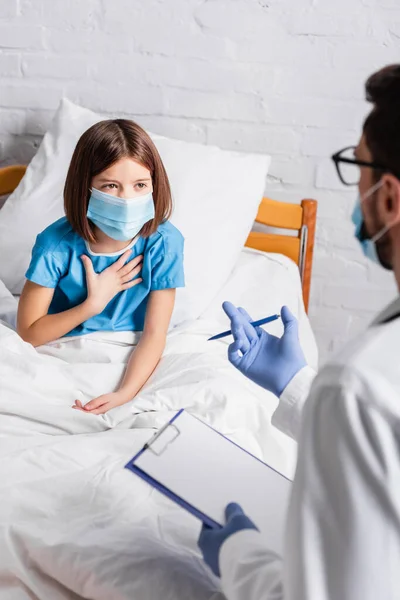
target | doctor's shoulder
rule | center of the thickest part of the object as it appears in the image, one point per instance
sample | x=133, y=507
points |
x=368, y=369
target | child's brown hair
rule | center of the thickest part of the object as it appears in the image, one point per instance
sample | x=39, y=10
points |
x=98, y=148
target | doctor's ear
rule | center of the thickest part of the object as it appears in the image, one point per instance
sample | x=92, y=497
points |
x=390, y=204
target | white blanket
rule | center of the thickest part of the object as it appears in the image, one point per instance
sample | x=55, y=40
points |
x=73, y=522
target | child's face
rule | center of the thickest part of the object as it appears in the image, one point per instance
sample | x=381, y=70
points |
x=125, y=179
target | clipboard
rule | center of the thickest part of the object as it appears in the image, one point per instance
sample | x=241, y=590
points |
x=202, y=471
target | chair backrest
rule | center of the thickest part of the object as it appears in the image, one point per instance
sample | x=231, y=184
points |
x=10, y=178
x=300, y=247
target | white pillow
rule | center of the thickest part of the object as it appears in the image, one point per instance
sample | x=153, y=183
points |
x=216, y=195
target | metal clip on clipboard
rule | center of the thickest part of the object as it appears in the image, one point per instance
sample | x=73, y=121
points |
x=156, y=436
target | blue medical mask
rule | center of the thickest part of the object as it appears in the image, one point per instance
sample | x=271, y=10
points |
x=368, y=245
x=120, y=218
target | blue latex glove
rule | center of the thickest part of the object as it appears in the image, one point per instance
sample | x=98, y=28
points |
x=211, y=540
x=269, y=361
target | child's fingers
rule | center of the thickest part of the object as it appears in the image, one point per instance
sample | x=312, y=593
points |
x=121, y=261
x=96, y=403
x=131, y=265
x=103, y=409
x=131, y=275
x=88, y=265
x=130, y=284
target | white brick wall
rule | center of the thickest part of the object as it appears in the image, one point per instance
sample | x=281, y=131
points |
x=279, y=76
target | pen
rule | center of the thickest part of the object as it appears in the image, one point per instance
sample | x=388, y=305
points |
x=254, y=323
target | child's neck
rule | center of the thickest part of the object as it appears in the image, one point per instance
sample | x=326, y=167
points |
x=105, y=244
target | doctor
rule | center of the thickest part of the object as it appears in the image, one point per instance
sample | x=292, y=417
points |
x=343, y=528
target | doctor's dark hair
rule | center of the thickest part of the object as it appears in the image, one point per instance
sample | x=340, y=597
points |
x=98, y=148
x=382, y=125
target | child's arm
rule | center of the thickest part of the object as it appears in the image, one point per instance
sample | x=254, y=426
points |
x=35, y=326
x=146, y=356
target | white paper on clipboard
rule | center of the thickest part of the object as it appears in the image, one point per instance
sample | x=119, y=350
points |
x=206, y=470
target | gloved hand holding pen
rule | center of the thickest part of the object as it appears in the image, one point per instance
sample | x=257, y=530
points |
x=269, y=361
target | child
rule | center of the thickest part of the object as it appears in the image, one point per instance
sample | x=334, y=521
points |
x=84, y=272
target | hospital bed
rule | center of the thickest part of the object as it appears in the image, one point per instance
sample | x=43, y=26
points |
x=73, y=523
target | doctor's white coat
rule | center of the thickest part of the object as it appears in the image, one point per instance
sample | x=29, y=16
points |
x=343, y=528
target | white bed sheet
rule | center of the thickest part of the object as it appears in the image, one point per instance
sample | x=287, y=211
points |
x=73, y=523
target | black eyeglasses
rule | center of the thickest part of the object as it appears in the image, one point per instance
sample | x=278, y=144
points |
x=348, y=167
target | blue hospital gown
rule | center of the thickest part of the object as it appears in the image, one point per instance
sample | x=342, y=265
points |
x=56, y=263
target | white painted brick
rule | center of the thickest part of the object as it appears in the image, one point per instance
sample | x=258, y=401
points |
x=9, y=65
x=37, y=122
x=380, y=277
x=8, y=9
x=72, y=15
x=30, y=11
x=296, y=171
x=327, y=177
x=321, y=83
x=340, y=269
x=20, y=121
x=317, y=292
x=338, y=235
x=118, y=99
x=357, y=298
x=391, y=4
x=394, y=28
x=182, y=43
x=364, y=56
x=158, y=19
x=12, y=121
x=217, y=76
x=238, y=20
x=338, y=205
x=340, y=7
x=185, y=103
x=33, y=96
x=54, y=67
x=320, y=142
x=313, y=112
x=331, y=318
x=254, y=138
x=94, y=43
x=284, y=50
x=313, y=22
x=21, y=36
x=181, y=129
x=121, y=69
x=186, y=73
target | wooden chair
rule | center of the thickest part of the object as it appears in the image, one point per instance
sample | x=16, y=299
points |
x=300, y=248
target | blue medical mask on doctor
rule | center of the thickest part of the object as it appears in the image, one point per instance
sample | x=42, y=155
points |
x=368, y=245
x=120, y=218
